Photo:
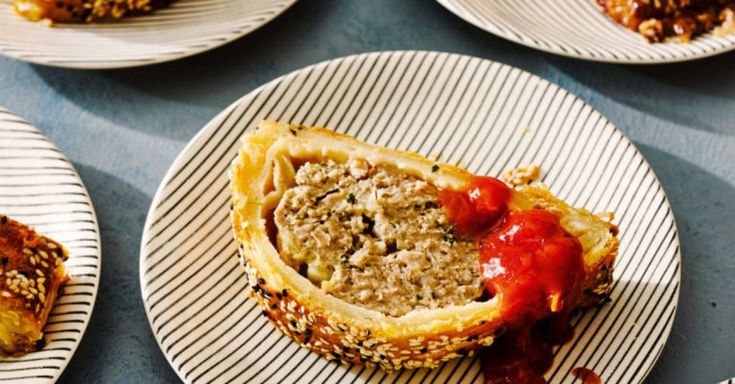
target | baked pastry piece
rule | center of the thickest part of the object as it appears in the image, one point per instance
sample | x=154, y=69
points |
x=84, y=10
x=672, y=20
x=352, y=252
x=32, y=269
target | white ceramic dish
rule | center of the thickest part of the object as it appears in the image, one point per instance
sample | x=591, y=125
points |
x=185, y=28
x=486, y=116
x=41, y=188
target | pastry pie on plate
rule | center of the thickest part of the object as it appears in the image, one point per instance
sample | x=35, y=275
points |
x=32, y=268
x=672, y=20
x=84, y=10
x=369, y=255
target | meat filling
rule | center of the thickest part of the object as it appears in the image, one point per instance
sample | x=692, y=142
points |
x=375, y=237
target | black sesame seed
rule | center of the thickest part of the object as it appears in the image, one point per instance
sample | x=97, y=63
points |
x=347, y=349
x=363, y=359
x=307, y=331
x=351, y=198
x=4, y=219
x=473, y=338
x=284, y=292
x=279, y=296
x=419, y=297
x=40, y=343
x=5, y=260
x=307, y=339
x=434, y=168
x=274, y=306
x=264, y=313
x=293, y=323
x=359, y=343
x=33, y=250
x=266, y=294
x=336, y=355
x=255, y=288
x=424, y=350
x=261, y=281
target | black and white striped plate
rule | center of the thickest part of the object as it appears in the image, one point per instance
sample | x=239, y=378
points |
x=39, y=187
x=579, y=29
x=486, y=116
x=185, y=28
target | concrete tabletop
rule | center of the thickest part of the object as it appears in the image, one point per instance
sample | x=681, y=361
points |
x=123, y=128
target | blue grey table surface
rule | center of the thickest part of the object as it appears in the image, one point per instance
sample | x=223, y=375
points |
x=123, y=128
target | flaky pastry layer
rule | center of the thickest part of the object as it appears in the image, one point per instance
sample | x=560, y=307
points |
x=265, y=168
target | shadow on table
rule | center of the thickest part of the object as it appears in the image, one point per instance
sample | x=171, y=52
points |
x=703, y=335
x=696, y=94
x=118, y=346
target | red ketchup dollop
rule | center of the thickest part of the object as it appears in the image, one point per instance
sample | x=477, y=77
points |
x=531, y=265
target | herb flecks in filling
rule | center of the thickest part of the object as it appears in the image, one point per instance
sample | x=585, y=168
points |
x=381, y=241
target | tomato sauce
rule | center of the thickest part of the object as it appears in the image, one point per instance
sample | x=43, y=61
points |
x=531, y=265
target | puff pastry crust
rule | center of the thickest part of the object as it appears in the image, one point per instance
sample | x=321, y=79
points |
x=32, y=271
x=84, y=10
x=265, y=168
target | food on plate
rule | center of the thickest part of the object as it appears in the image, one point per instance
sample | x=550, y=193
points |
x=672, y=20
x=365, y=254
x=32, y=269
x=84, y=10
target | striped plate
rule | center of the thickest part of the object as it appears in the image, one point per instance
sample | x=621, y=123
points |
x=579, y=29
x=484, y=115
x=41, y=188
x=185, y=28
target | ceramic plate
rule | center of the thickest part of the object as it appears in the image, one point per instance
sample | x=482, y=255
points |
x=185, y=28
x=579, y=29
x=41, y=188
x=486, y=116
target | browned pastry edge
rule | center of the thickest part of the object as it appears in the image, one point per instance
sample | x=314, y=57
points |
x=84, y=10
x=31, y=273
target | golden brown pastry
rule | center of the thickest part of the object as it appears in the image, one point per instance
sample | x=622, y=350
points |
x=32, y=271
x=351, y=252
x=84, y=10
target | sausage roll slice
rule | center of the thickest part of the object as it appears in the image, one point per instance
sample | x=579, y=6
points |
x=370, y=255
x=32, y=269
x=84, y=10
